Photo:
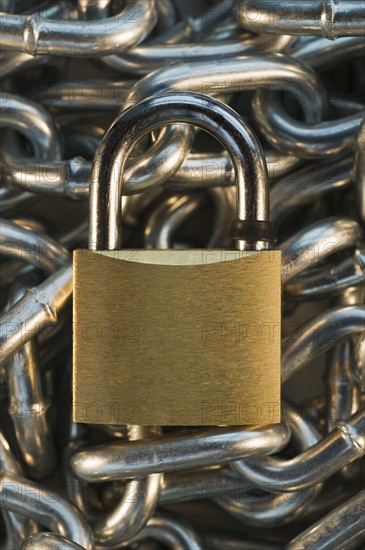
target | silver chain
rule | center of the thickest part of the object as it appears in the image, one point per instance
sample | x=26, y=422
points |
x=294, y=71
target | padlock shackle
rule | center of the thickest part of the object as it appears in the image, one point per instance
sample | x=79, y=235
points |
x=251, y=229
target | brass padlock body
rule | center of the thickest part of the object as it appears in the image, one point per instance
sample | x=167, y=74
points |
x=177, y=337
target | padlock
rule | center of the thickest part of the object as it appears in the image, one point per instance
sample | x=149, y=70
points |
x=178, y=337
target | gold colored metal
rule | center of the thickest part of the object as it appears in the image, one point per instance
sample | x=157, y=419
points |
x=177, y=337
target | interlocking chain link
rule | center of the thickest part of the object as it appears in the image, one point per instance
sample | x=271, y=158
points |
x=294, y=71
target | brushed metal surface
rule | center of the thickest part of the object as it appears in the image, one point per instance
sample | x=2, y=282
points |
x=177, y=337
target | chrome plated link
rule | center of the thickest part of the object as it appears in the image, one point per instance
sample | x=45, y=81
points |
x=79, y=81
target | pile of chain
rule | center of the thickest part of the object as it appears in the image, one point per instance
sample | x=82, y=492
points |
x=295, y=74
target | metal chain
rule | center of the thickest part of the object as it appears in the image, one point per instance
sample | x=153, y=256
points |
x=294, y=72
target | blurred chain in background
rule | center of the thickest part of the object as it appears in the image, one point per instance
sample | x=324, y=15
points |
x=295, y=73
